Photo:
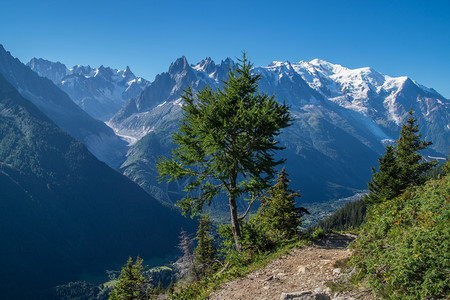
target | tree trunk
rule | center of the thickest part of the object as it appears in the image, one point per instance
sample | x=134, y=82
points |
x=235, y=222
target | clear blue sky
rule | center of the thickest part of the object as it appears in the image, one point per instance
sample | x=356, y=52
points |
x=394, y=37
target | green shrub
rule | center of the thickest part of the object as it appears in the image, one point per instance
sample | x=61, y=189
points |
x=317, y=234
x=403, y=248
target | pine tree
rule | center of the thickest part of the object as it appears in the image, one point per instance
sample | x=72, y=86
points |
x=131, y=284
x=226, y=143
x=412, y=166
x=205, y=253
x=278, y=212
x=401, y=166
x=385, y=184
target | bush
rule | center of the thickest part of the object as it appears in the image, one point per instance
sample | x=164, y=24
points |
x=317, y=234
x=403, y=248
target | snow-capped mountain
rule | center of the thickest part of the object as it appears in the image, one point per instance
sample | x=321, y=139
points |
x=162, y=97
x=342, y=119
x=101, y=92
x=378, y=102
x=57, y=105
x=364, y=99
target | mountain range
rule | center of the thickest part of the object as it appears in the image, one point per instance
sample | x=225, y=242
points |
x=343, y=119
x=101, y=92
x=59, y=107
x=66, y=213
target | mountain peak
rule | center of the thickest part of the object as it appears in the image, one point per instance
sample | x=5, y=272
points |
x=55, y=71
x=179, y=65
x=128, y=73
x=206, y=65
x=227, y=61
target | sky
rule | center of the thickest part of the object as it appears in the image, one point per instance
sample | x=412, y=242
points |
x=397, y=38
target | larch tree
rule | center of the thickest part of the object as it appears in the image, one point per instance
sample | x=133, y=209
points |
x=226, y=143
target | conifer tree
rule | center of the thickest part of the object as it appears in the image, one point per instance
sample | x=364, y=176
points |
x=385, y=184
x=278, y=211
x=412, y=166
x=131, y=283
x=226, y=143
x=205, y=253
x=401, y=166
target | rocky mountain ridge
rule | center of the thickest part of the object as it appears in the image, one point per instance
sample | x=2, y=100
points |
x=101, y=92
x=59, y=107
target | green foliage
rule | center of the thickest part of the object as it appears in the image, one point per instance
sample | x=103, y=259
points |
x=401, y=166
x=276, y=222
x=254, y=241
x=385, y=184
x=205, y=252
x=412, y=167
x=347, y=218
x=403, y=248
x=131, y=283
x=446, y=167
x=278, y=214
x=226, y=142
x=317, y=234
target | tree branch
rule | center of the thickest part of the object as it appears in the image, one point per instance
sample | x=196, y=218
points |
x=248, y=209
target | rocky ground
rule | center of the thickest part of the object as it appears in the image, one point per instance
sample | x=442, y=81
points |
x=301, y=274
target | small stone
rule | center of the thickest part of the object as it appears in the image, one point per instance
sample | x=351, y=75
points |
x=269, y=278
x=302, y=269
x=337, y=271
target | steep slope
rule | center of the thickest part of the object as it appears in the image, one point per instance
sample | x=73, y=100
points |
x=64, y=213
x=57, y=105
x=101, y=92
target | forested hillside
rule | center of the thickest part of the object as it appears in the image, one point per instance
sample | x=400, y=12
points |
x=64, y=214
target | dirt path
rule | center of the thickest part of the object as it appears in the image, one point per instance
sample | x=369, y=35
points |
x=305, y=269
